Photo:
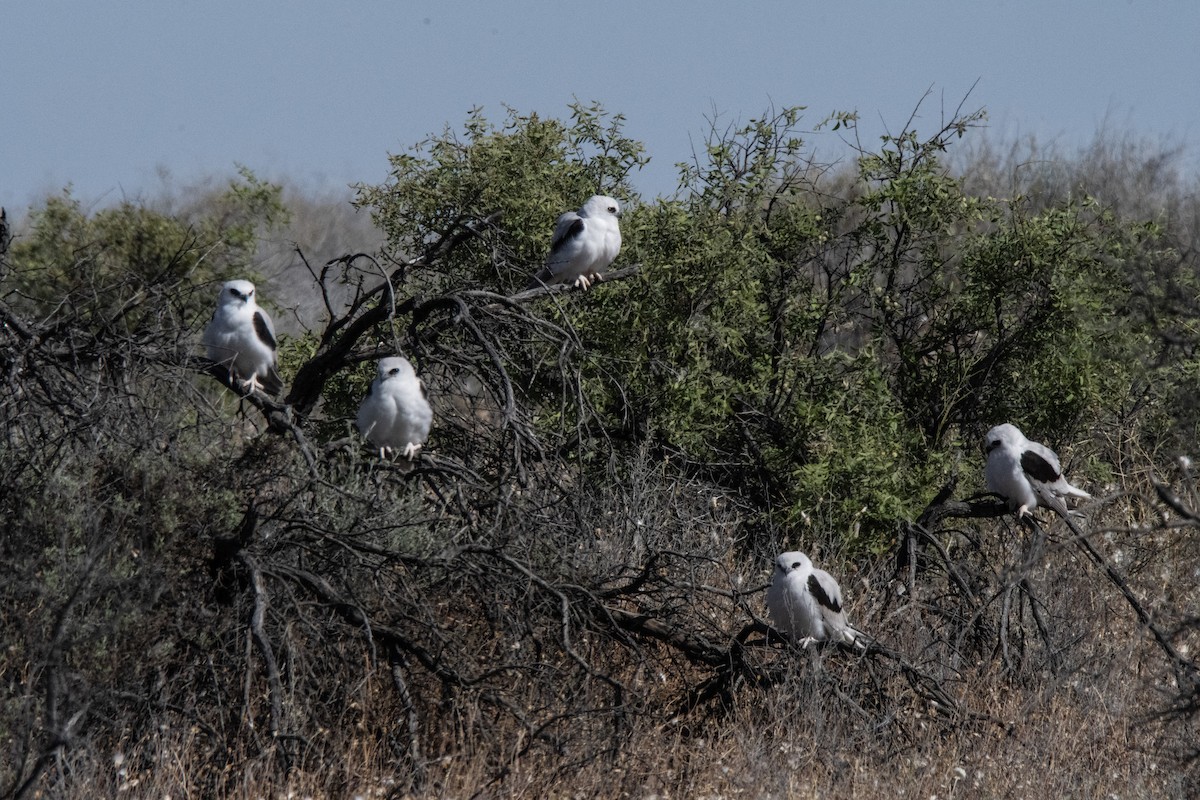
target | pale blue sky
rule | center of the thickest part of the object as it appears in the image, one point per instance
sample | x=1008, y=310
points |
x=102, y=95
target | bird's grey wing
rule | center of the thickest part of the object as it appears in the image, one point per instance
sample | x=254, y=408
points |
x=1036, y=465
x=1046, y=453
x=1050, y=499
x=569, y=226
x=828, y=596
x=209, y=337
x=264, y=328
x=272, y=383
x=563, y=248
x=366, y=410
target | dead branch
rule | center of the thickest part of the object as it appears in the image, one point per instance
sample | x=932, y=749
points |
x=263, y=644
x=1186, y=672
x=1175, y=502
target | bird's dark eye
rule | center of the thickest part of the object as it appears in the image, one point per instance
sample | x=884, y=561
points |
x=796, y=564
x=612, y=209
x=394, y=371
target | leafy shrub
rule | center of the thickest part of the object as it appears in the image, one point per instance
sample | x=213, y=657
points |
x=798, y=355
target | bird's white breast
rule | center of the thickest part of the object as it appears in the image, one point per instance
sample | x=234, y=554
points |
x=231, y=336
x=1005, y=477
x=396, y=413
x=793, y=608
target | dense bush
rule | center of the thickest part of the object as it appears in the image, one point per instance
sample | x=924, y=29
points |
x=561, y=594
x=822, y=341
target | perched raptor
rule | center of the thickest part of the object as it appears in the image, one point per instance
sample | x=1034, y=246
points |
x=806, y=603
x=395, y=414
x=585, y=242
x=241, y=337
x=1025, y=473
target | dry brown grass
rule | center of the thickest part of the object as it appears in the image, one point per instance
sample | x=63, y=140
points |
x=828, y=724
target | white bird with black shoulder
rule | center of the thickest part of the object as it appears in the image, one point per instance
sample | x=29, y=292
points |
x=395, y=414
x=241, y=337
x=585, y=242
x=1026, y=474
x=805, y=603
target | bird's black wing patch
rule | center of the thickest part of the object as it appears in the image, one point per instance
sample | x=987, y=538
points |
x=818, y=591
x=1038, y=468
x=263, y=329
x=572, y=232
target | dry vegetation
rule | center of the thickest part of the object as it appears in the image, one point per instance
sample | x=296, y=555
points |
x=214, y=596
